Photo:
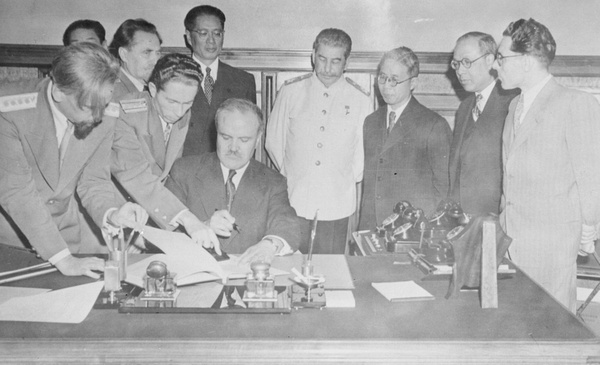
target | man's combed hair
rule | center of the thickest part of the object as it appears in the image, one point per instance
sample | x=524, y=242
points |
x=175, y=66
x=532, y=38
x=126, y=32
x=242, y=106
x=334, y=38
x=405, y=56
x=192, y=15
x=487, y=43
x=87, y=71
x=92, y=25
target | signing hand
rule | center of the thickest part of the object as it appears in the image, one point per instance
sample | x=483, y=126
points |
x=73, y=266
x=200, y=232
x=222, y=223
x=129, y=215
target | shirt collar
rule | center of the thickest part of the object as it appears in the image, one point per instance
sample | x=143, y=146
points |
x=485, y=93
x=331, y=89
x=60, y=120
x=214, y=67
x=137, y=83
x=399, y=110
x=238, y=173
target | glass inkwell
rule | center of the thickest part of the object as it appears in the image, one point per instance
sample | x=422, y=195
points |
x=160, y=288
x=260, y=286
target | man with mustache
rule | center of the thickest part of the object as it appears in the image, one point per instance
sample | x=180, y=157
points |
x=53, y=146
x=406, y=145
x=314, y=138
x=475, y=154
x=244, y=201
x=136, y=44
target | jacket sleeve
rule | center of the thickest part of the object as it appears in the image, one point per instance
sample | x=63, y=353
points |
x=19, y=196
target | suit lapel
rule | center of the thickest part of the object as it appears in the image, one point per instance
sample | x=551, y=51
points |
x=221, y=88
x=42, y=140
x=246, y=198
x=175, y=145
x=531, y=119
x=212, y=186
x=404, y=125
x=462, y=122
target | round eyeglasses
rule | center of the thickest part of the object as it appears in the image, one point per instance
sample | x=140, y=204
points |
x=383, y=79
x=465, y=62
x=500, y=58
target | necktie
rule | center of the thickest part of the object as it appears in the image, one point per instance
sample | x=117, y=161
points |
x=230, y=189
x=519, y=112
x=64, y=143
x=391, y=121
x=477, y=109
x=167, y=132
x=208, y=85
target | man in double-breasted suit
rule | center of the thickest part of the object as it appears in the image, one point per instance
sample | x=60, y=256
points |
x=476, y=150
x=204, y=32
x=149, y=138
x=406, y=145
x=53, y=146
x=551, y=185
x=245, y=201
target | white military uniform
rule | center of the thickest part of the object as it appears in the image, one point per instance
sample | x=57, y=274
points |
x=315, y=138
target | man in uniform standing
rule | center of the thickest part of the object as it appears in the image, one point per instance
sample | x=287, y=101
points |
x=475, y=165
x=314, y=138
x=53, y=145
x=205, y=33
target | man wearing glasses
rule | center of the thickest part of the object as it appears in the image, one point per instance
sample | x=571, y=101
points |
x=551, y=183
x=406, y=145
x=314, y=138
x=476, y=150
x=204, y=33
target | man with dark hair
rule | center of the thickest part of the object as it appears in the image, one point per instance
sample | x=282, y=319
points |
x=551, y=184
x=149, y=138
x=204, y=33
x=85, y=30
x=136, y=44
x=314, y=138
x=245, y=202
x=476, y=151
x=406, y=145
x=53, y=146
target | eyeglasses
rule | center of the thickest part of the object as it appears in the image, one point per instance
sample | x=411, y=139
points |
x=465, y=62
x=500, y=58
x=383, y=79
x=204, y=33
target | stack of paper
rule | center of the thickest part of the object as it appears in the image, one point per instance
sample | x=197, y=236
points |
x=402, y=291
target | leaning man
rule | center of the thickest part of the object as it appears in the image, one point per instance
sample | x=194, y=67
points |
x=53, y=145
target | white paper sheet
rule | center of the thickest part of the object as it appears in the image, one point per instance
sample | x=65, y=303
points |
x=402, y=291
x=70, y=305
x=9, y=292
x=339, y=299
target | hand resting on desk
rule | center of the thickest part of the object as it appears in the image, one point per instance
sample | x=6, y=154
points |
x=73, y=266
x=264, y=250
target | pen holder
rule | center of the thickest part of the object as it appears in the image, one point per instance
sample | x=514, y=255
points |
x=120, y=257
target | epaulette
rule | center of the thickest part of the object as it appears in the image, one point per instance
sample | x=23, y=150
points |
x=298, y=78
x=112, y=110
x=13, y=103
x=357, y=86
x=134, y=105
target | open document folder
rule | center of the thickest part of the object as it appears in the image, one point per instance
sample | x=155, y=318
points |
x=192, y=263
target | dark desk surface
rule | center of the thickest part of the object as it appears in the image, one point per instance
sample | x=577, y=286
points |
x=527, y=327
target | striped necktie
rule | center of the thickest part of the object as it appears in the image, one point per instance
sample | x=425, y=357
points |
x=477, y=108
x=167, y=132
x=209, y=82
x=230, y=189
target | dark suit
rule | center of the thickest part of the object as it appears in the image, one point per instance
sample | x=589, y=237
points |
x=231, y=83
x=410, y=164
x=475, y=165
x=261, y=206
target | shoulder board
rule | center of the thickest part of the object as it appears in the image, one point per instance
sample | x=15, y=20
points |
x=134, y=105
x=298, y=78
x=13, y=103
x=357, y=86
x=112, y=110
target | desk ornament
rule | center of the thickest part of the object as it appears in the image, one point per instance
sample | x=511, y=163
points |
x=260, y=286
x=160, y=289
x=309, y=289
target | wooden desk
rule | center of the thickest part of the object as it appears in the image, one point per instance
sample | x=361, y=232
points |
x=528, y=327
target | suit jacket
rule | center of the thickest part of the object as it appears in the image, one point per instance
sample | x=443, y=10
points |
x=551, y=185
x=123, y=86
x=410, y=164
x=231, y=83
x=141, y=161
x=37, y=196
x=475, y=165
x=261, y=206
